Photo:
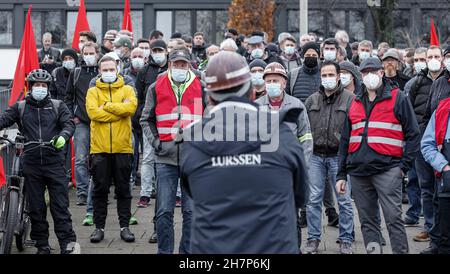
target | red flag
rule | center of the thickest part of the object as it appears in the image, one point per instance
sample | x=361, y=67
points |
x=27, y=61
x=126, y=24
x=434, y=39
x=72, y=157
x=2, y=173
x=81, y=25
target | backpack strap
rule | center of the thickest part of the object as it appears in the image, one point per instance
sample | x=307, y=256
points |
x=21, y=110
x=55, y=105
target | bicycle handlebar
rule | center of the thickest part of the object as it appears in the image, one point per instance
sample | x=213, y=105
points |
x=37, y=143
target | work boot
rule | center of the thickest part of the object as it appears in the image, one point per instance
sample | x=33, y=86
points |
x=43, y=250
x=97, y=236
x=126, y=235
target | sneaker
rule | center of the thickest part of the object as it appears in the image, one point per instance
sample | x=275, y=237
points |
x=346, y=248
x=97, y=236
x=133, y=221
x=144, y=202
x=302, y=220
x=43, y=250
x=153, y=239
x=429, y=250
x=178, y=202
x=409, y=222
x=312, y=247
x=81, y=201
x=126, y=235
x=88, y=220
x=72, y=248
x=333, y=217
x=422, y=237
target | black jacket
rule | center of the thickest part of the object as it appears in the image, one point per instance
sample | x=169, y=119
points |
x=59, y=84
x=399, y=80
x=52, y=53
x=40, y=123
x=244, y=196
x=327, y=116
x=76, y=92
x=365, y=161
x=440, y=90
x=199, y=52
x=302, y=82
x=418, y=90
x=144, y=79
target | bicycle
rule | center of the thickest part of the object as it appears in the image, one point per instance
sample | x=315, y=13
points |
x=14, y=219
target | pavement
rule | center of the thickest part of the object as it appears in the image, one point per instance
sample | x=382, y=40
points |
x=112, y=244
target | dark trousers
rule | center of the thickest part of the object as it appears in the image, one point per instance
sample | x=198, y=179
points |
x=106, y=168
x=444, y=225
x=53, y=177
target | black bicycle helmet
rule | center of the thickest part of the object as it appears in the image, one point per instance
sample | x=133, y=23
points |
x=39, y=75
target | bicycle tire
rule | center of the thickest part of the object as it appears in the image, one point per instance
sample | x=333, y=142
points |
x=11, y=222
x=25, y=224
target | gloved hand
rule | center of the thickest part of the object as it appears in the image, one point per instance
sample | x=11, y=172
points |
x=58, y=142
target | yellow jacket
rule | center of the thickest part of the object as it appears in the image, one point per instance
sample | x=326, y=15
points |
x=110, y=108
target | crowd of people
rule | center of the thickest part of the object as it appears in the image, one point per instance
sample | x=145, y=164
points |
x=365, y=119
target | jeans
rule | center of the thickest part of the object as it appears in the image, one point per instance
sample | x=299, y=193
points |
x=425, y=174
x=414, y=196
x=320, y=169
x=167, y=180
x=82, y=146
x=147, y=169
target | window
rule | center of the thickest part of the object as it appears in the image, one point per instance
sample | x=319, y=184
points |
x=336, y=21
x=293, y=22
x=49, y=21
x=204, y=24
x=221, y=24
x=164, y=23
x=402, y=31
x=115, y=18
x=183, y=21
x=5, y=27
x=95, y=24
x=315, y=19
x=357, y=31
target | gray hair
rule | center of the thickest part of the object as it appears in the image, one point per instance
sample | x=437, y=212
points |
x=47, y=34
x=282, y=36
x=228, y=45
x=366, y=43
x=342, y=35
x=342, y=51
x=421, y=50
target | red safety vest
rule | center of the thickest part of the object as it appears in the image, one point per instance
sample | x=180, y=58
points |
x=384, y=131
x=171, y=116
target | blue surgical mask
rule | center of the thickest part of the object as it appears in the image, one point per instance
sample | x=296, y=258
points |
x=345, y=79
x=289, y=50
x=179, y=75
x=273, y=90
x=159, y=58
x=39, y=93
x=137, y=63
x=69, y=64
x=329, y=83
x=90, y=60
x=329, y=55
x=257, y=53
x=363, y=55
x=257, y=79
x=109, y=77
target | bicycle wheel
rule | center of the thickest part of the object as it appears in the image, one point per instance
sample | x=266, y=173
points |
x=10, y=222
x=24, y=227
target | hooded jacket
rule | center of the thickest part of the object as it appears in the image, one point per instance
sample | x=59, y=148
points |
x=110, y=108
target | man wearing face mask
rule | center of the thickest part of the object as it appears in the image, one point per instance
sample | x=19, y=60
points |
x=330, y=48
x=350, y=77
x=175, y=100
x=76, y=90
x=291, y=58
x=379, y=143
x=122, y=48
x=327, y=111
x=365, y=48
x=61, y=75
x=258, y=84
x=302, y=82
x=110, y=106
x=43, y=119
x=257, y=50
x=144, y=44
x=418, y=90
x=137, y=63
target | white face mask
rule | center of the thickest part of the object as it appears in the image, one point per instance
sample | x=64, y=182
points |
x=434, y=65
x=90, y=60
x=346, y=79
x=363, y=55
x=80, y=46
x=137, y=63
x=371, y=81
x=418, y=66
x=329, y=55
x=109, y=77
x=447, y=64
x=179, y=75
x=257, y=53
x=146, y=53
x=39, y=93
x=289, y=50
x=69, y=64
x=329, y=83
x=159, y=58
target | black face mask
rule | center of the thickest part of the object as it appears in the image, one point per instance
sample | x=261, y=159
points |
x=310, y=62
